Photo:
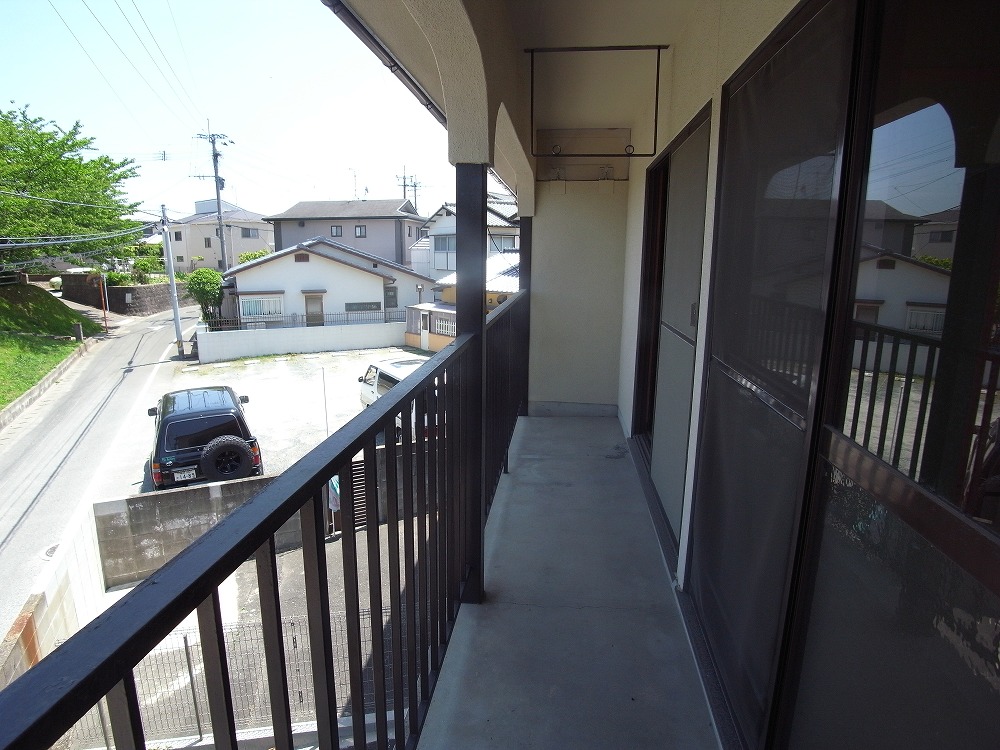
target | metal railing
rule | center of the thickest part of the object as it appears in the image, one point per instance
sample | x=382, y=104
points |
x=890, y=396
x=403, y=579
x=260, y=322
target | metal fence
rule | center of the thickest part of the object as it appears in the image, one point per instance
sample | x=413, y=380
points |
x=403, y=585
x=173, y=696
x=262, y=322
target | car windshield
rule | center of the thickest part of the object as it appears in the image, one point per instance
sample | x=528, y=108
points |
x=199, y=431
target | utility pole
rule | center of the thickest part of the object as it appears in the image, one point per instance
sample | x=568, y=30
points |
x=169, y=258
x=219, y=184
x=409, y=183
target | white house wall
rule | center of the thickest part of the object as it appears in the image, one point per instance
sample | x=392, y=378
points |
x=223, y=346
x=192, y=243
x=897, y=286
x=342, y=284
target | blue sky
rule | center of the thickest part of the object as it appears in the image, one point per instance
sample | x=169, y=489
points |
x=312, y=114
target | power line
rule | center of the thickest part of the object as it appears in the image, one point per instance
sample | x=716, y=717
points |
x=129, y=60
x=152, y=59
x=75, y=239
x=96, y=66
x=121, y=209
x=163, y=54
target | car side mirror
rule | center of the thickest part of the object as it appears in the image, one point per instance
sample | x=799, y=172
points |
x=152, y=411
x=244, y=399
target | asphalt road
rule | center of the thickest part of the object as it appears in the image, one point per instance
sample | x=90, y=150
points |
x=88, y=438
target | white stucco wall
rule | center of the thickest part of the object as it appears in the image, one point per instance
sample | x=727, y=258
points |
x=897, y=286
x=342, y=284
x=192, y=243
x=576, y=295
x=222, y=346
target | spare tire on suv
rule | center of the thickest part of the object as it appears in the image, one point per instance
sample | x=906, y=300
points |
x=226, y=457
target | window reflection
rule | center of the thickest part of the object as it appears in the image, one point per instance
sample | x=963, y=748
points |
x=924, y=368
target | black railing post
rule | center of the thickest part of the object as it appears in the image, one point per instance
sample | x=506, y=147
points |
x=523, y=321
x=470, y=317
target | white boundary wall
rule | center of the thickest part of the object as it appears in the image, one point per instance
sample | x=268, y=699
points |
x=220, y=346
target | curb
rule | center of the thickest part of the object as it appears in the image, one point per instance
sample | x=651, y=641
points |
x=26, y=399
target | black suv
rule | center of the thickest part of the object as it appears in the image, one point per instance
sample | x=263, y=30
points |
x=202, y=434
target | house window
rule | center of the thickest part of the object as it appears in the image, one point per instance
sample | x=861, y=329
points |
x=253, y=307
x=943, y=236
x=360, y=230
x=249, y=233
x=503, y=243
x=424, y=233
x=208, y=242
x=925, y=320
x=177, y=236
x=866, y=313
x=302, y=257
x=218, y=232
x=444, y=253
x=409, y=231
x=337, y=230
x=180, y=258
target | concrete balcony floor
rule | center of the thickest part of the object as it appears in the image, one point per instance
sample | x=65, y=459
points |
x=579, y=642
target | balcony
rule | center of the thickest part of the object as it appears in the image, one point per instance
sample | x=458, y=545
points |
x=556, y=625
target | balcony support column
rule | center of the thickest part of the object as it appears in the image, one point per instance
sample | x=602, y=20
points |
x=524, y=330
x=470, y=317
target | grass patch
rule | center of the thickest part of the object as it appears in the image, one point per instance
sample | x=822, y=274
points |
x=29, y=317
x=24, y=360
x=25, y=308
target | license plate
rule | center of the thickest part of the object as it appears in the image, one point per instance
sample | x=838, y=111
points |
x=184, y=475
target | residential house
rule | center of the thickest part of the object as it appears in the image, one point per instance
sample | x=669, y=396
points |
x=434, y=252
x=897, y=291
x=195, y=241
x=936, y=235
x=826, y=537
x=385, y=228
x=319, y=282
x=431, y=325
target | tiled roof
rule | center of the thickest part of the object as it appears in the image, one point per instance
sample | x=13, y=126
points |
x=324, y=247
x=373, y=209
x=498, y=213
x=502, y=271
x=239, y=214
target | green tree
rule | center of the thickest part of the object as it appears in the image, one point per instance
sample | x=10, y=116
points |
x=41, y=160
x=933, y=260
x=204, y=286
x=252, y=255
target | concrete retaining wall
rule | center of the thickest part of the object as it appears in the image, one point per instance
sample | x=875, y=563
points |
x=220, y=346
x=124, y=300
x=137, y=535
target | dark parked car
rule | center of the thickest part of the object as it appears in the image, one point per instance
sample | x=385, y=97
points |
x=202, y=435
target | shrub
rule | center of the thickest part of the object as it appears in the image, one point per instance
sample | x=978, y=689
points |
x=204, y=286
x=119, y=278
x=56, y=282
x=143, y=267
x=252, y=255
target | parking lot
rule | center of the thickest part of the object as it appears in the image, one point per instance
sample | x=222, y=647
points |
x=296, y=400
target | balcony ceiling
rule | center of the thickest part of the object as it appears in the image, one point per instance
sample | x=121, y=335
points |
x=405, y=28
x=591, y=23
